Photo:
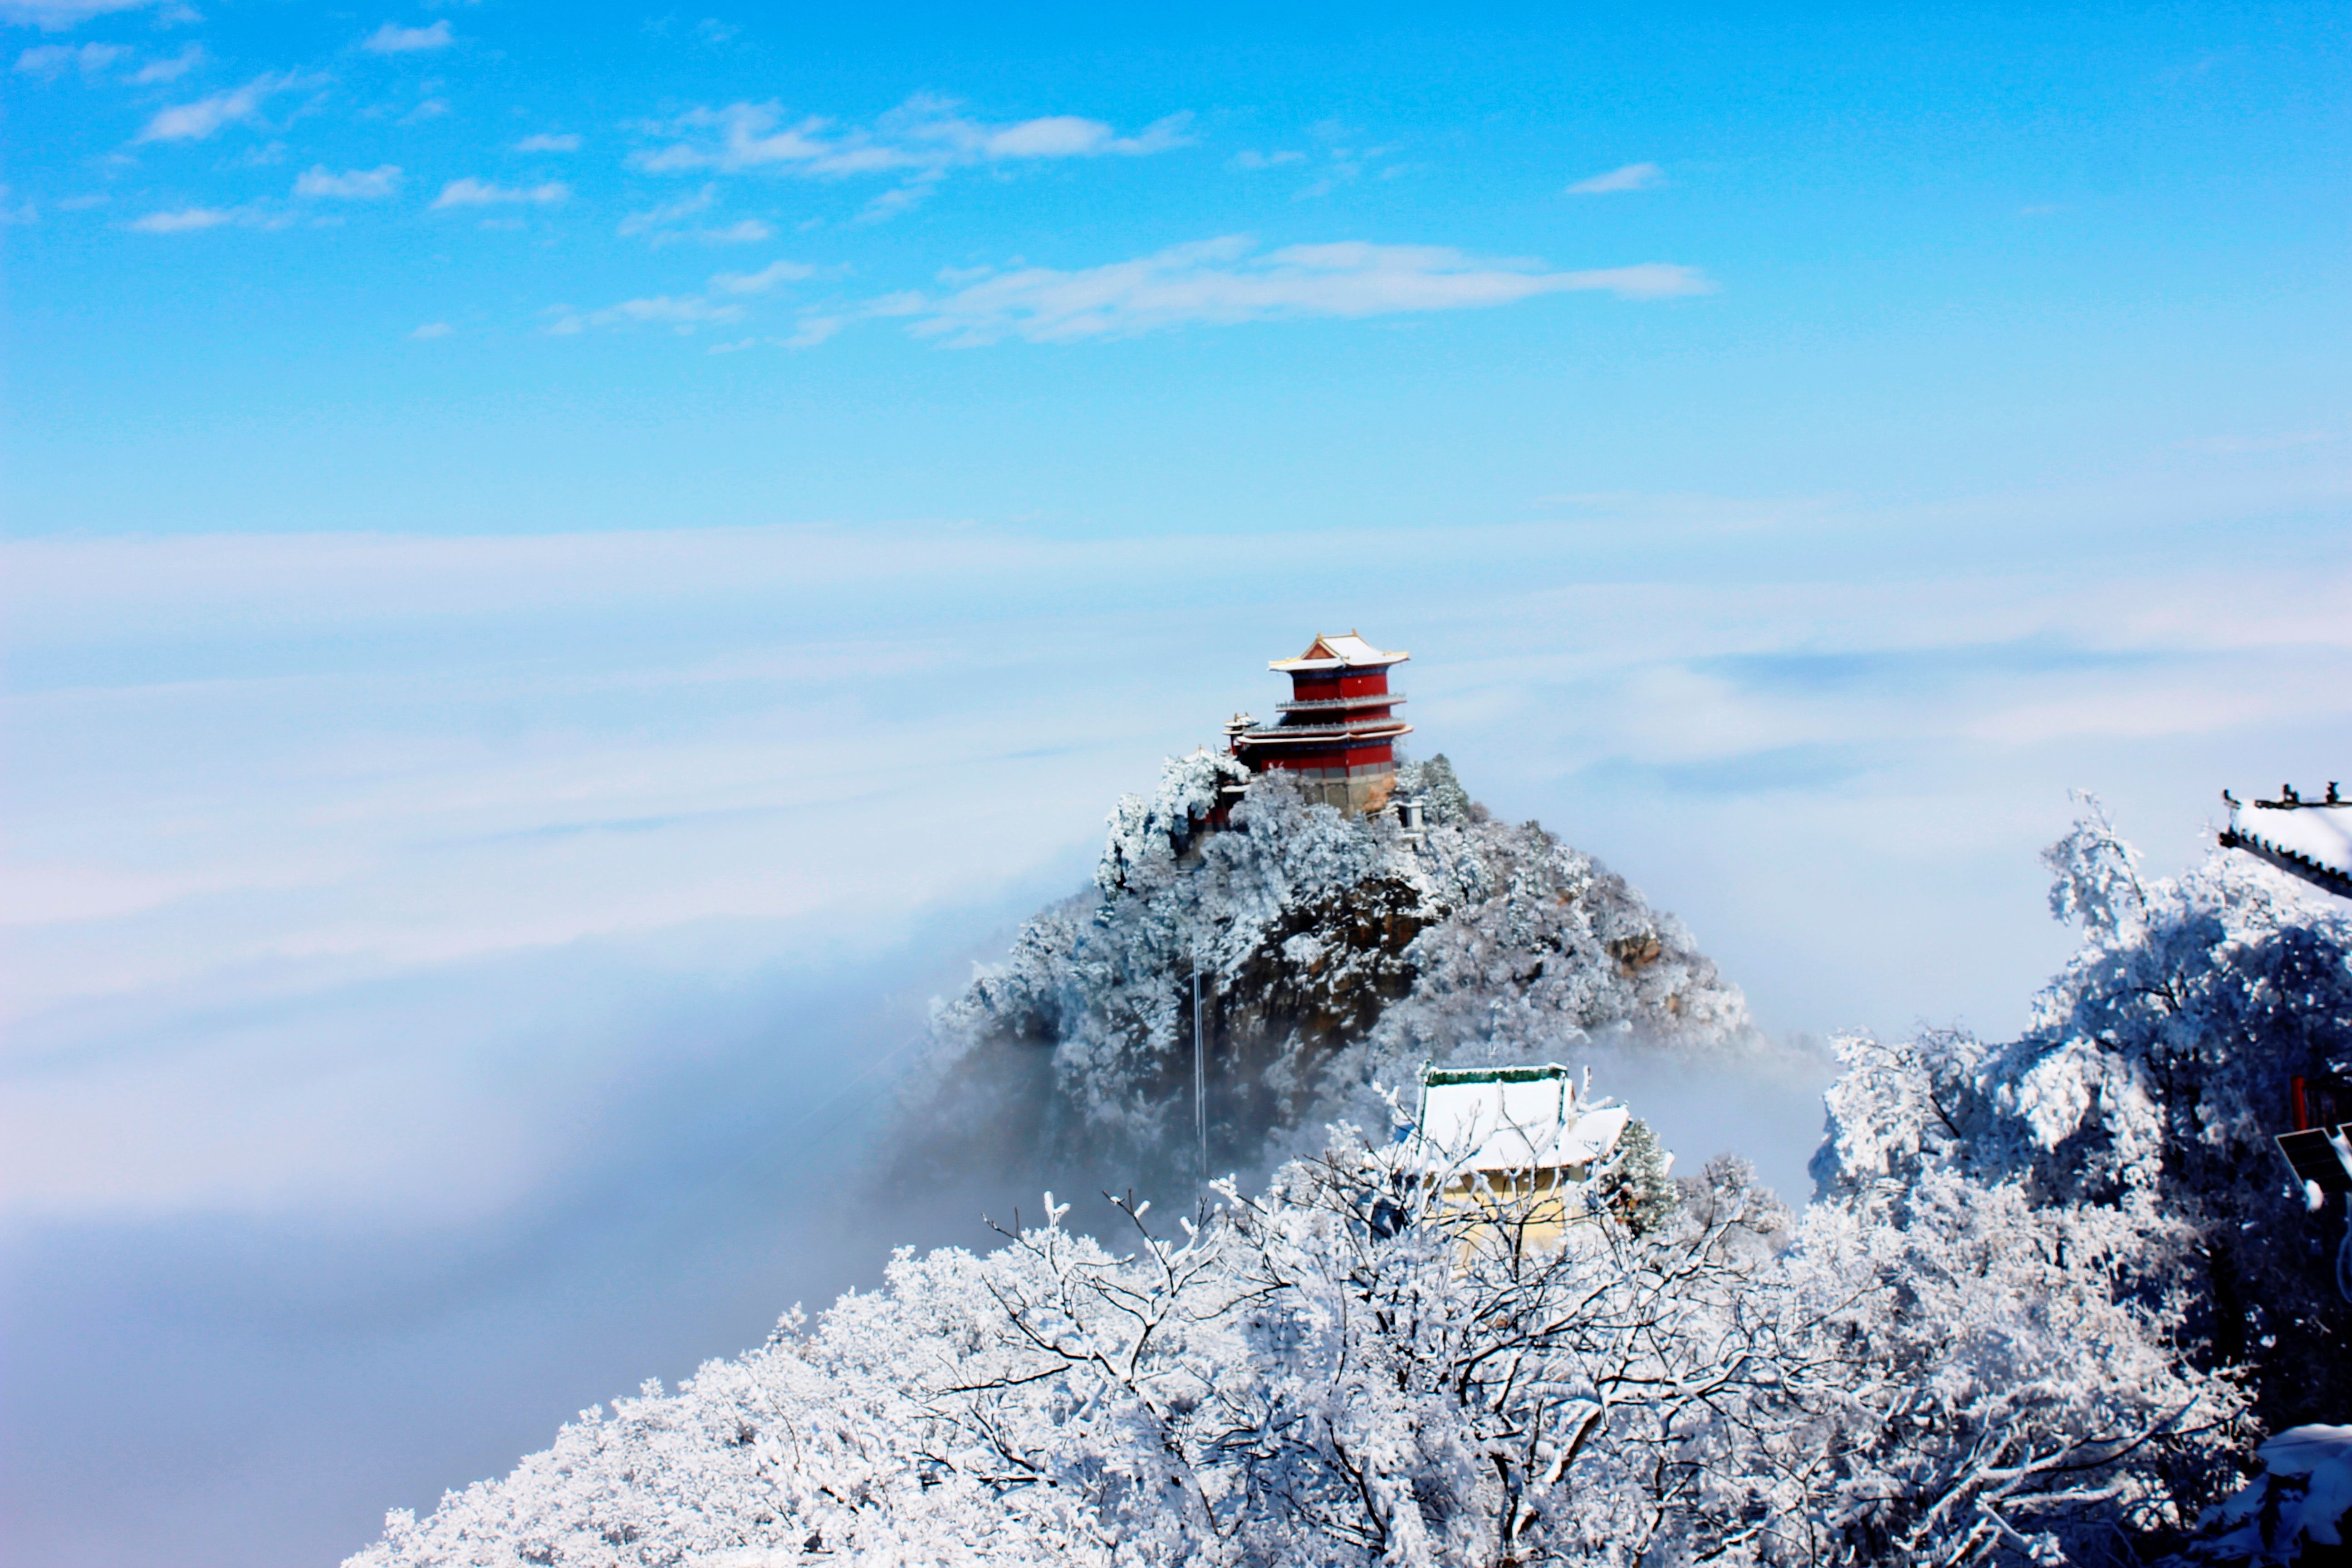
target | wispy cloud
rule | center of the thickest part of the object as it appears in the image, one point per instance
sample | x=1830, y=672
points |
x=352, y=185
x=1631, y=177
x=901, y=198
x=171, y=69
x=916, y=142
x=1248, y=158
x=549, y=142
x=56, y=16
x=195, y=121
x=183, y=220
x=666, y=214
x=49, y=62
x=666, y=222
x=392, y=38
x=1222, y=281
x=743, y=231
x=431, y=330
x=472, y=192
x=684, y=312
x=769, y=277
x=720, y=302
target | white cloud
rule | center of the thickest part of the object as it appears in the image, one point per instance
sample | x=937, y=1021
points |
x=1247, y=159
x=815, y=329
x=1056, y=136
x=661, y=222
x=56, y=16
x=763, y=280
x=197, y=120
x=684, y=312
x=431, y=109
x=431, y=330
x=352, y=185
x=49, y=62
x=668, y=213
x=922, y=134
x=394, y=39
x=14, y=214
x=549, y=142
x=898, y=199
x=1221, y=281
x=472, y=192
x=743, y=231
x=172, y=70
x=183, y=220
x=1631, y=177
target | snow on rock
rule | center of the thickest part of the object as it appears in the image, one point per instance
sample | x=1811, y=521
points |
x=2302, y=1498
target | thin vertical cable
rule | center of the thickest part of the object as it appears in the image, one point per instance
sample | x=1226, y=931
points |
x=1200, y=1076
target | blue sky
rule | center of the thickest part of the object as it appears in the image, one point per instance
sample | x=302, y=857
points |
x=565, y=567
x=1897, y=257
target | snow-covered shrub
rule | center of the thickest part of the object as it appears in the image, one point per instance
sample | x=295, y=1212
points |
x=1634, y=1181
x=1444, y=803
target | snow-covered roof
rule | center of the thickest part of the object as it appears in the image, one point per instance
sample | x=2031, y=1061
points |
x=2310, y=838
x=1510, y=1119
x=1344, y=652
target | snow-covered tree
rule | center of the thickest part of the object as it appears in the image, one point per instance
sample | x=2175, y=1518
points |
x=1344, y=1371
x=2154, y=1074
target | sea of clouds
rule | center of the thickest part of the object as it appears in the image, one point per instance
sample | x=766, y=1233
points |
x=450, y=978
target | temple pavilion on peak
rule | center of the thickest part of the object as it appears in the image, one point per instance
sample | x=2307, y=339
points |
x=1337, y=734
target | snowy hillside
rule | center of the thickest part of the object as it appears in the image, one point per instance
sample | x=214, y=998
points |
x=1333, y=955
x=2047, y=1298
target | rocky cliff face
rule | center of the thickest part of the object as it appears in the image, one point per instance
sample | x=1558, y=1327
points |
x=1332, y=955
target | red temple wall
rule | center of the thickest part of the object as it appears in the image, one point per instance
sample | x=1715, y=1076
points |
x=1381, y=755
x=1320, y=687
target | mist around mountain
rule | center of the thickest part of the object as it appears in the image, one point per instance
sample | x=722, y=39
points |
x=2047, y=1298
